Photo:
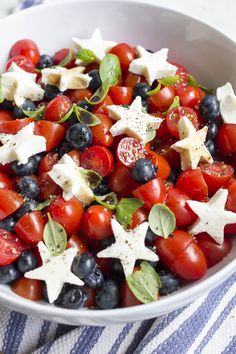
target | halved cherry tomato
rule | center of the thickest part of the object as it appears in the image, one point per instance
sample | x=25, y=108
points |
x=226, y=139
x=13, y=126
x=162, y=100
x=182, y=72
x=53, y=133
x=101, y=132
x=130, y=150
x=121, y=94
x=61, y=55
x=27, y=48
x=213, y=252
x=151, y=193
x=125, y=53
x=6, y=182
x=189, y=96
x=96, y=222
x=77, y=242
x=175, y=114
x=163, y=167
x=10, y=247
x=57, y=108
x=138, y=217
x=99, y=159
x=216, y=175
x=102, y=107
x=127, y=297
x=29, y=289
x=30, y=227
x=47, y=162
x=10, y=201
x=79, y=95
x=48, y=187
x=121, y=181
x=182, y=255
x=163, y=147
x=68, y=213
x=5, y=116
x=193, y=183
x=75, y=155
x=130, y=79
x=23, y=62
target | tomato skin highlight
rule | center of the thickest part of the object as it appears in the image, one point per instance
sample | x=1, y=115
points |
x=121, y=94
x=129, y=150
x=30, y=227
x=125, y=53
x=102, y=107
x=77, y=242
x=162, y=100
x=79, y=95
x=138, y=217
x=193, y=183
x=27, y=48
x=52, y=132
x=13, y=126
x=101, y=132
x=99, y=159
x=29, y=289
x=121, y=181
x=23, y=63
x=57, y=108
x=6, y=182
x=163, y=167
x=11, y=247
x=47, y=162
x=10, y=201
x=189, y=96
x=226, y=139
x=151, y=193
x=96, y=222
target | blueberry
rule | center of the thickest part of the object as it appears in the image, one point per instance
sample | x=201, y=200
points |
x=38, y=157
x=83, y=265
x=79, y=136
x=45, y=61
x=212, y=131
x=26, y=106
x=209, y=108
x=103, y=187
x=210, y=145
x=8, y=224
x=25, y=169
x=8, y=274
x=50, y=92
x=29, y=187
x=141, y=89
x=28, y=206
x=108, y=296
x=117, y=271
x=58, y=301
x=7, y=105
x=64, y=148
x=143, y=170
x=27, y=261
x=106, y=242
x=95, y=82
x=84, y=104
x=170, y=283
x=150, y=236
x=74, y=298
x=95, y=279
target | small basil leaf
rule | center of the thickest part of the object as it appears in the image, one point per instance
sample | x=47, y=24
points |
x=68, y=114
x=193, y=82
x=155, y=90
x=150, y=135
x=54, y=236
x=37, y=114
x=110, y=69
x=109, y=200
x=125, y=210
x=1, y=92
x=145, y=283
x=174, y=104
x=85, y=55
x=87, y=117
x=170, y=80
x=161, y=220
x=93, y=178
x=43, y=205
x=100, y=94
x=67, y=59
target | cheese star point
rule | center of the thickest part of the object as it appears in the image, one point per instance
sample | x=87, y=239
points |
x=227, y=99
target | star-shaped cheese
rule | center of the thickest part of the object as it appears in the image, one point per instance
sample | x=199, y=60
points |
x=132, y=121
x=21, y=146
x=96, y=44
x=129, y=246
x=153, y=66
x=212, y=216
x=66, y=79
x=226, y=97
x=55, y=271
x=70, y=178
x=191, y=146
x=19, y=85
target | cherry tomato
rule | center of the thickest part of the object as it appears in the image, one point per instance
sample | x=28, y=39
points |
x=138, y=217
x=96, y=222
x=30, y=227
x=129, y=150
x=6, y=182
x=101, y=132
x=226, y=139
x=182, y=72
x=151, y=193
x=77, y=242
x=57, y=108
x=213, y=252
x=189, y=96
x=231, y=200
x=175, y=114
x=68, y=213
x=163, y=167
x=6, y=116
x=91, y=300
x=163, y=130
x=53, y=133
x=163, y=148
x=47, y=162
x=10, y=201
x=29, y=289
x=130, y=79
x=75, y=155
x=176, y=201
x=216, y=175
x=121, y=181
x=23, y=62
x=99, y=159
x=7, y=169
x=125, y=53
x=10, y=247
x=102, y=107
x=162, y=100
x=121, y=94
x=193, y=183
x=127, y=297
x=61, y=55
x=26, y=48
x=48, y=187
x=79, y=95
x=13, y=126
x=182, y=255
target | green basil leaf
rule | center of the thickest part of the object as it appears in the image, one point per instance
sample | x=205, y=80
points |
x=67, y=59
x=87, y=117
x=85, y=55
x=169, y=80
x=155, y=90
x=1, y=92
x=174, y=104
x=37, y=114
x=161, y=220
x=109, y=200
x=54, y=236
x=100, y=94
x=110, y=69
x=43, y=205
x=68, y=114
x=93, y=178
x=150, y=135
x=125, y=210
x=145, y=283
x=193, y=82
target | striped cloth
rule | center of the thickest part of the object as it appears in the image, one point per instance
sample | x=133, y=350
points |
x=207, y=326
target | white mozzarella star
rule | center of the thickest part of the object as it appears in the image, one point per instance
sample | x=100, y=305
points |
x=226, y=97
x=55, y=271
x=212, y=216
x=66, y=79
x=96, y=44
x=21, y=146
x=191, y=146
x=70, y=178
x=129, y=246
x=19, y=85
x=153, y=66
x=132, y=121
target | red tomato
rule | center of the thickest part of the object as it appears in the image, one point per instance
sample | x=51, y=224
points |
x=47, y=162
x=216, y=175
x=231, y=200
x=67, y=213
x=79, y=95
x=10, y=247
x=10, y=201
x=7, y=169
x=96, y=222
x=130, y=150
x=99, y=159
x=75, y=155
x=6, y=116
x=121, y=94
x=182, y=255
x=193, y=183
x=61, y=55
x=162, y=100
x=121, y=181
x=53, y=133
x=30, y=227
x=57, y=108
x=6, y=182
x=101, y=132
x=13, y=126
x=226, y=139
x=125, y=53
x=23, y=62
x=26, y=48
x=182, y=72
x=91, y=300
x=151, y=193
x=162, y=131
x=163, y=167
x=77, y=242
x=189, y=96
x=213, y=252
x=163, y=148
x=102, y=107
x=29, y=289
x=127, y=297
x=175, y=114
x=138, y=217
x=130, y=79
x=176, y=201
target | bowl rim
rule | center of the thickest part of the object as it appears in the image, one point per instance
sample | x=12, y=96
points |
x=165, y=304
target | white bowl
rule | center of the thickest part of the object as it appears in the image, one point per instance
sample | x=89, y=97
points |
x=207, y=53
